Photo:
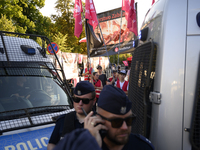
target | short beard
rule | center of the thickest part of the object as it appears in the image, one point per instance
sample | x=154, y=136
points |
x=114, y=141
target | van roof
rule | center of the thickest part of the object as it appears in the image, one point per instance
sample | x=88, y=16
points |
x=12, y=49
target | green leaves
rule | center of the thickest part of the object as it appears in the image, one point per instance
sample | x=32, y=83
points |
x=23, y=16
x=6, y=24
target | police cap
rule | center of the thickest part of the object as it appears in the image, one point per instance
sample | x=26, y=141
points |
x=83, y=87
x=114, y=100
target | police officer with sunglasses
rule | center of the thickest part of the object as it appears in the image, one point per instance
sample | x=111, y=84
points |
x=114, y=114
x=84, y=97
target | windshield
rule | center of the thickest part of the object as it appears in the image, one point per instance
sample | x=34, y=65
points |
x=18, y=92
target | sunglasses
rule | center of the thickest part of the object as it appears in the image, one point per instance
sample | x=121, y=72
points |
x=117, y=123
x=84, y=100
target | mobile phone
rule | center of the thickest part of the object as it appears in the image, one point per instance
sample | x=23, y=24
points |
x=102, y=132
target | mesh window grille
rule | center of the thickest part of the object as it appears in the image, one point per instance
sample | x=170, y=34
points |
x=141, y=83
x=195, y=125
x=30, y=117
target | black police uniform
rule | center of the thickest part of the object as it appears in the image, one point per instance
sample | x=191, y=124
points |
x=69, y=121
x=115, y=101
x=135, y=142
x=79, y=139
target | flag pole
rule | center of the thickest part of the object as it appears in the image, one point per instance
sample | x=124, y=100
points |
x=105, y=46
x=119, y=37
x=88, y=49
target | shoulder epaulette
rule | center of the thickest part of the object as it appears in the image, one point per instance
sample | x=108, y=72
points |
x=145, y=140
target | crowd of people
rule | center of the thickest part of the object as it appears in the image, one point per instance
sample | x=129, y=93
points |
x=119, y=78
x=102, y=118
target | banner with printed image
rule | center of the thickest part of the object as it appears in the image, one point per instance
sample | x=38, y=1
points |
x=110, y=25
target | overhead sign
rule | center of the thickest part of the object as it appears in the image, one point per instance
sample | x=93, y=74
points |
x=55, y=47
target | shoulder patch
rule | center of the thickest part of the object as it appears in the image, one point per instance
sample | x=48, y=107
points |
x=145, y=140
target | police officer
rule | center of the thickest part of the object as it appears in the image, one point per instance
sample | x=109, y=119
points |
x=114, y=112
x=84, y=97
x=113, y=115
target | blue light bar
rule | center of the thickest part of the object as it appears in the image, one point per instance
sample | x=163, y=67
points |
x=143, y=34
x=28, y=49
x=135, y=43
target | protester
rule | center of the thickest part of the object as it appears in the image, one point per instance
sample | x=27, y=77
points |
x=121, y=83
x=97, y=84
x=87, y=72
x=102, y=77
x=111, y=80
x=84, y=97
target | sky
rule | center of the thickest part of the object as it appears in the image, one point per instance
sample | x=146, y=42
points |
x=103, y=5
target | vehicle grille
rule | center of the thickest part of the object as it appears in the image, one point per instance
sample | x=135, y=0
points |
x=141, y=83
x=195, y=125
x=30, y=117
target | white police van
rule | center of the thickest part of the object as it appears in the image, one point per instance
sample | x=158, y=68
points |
x=32, y=92
x=165, y=76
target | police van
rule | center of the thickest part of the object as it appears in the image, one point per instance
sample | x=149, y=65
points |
x=165, y=76
x=32, y=91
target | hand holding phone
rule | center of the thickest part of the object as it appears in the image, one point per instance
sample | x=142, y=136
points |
x=95, y=126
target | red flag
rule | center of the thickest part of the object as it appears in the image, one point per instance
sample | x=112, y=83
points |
x=90, y=13
x=80, y=3
x=125, y=63
x=77, y=15
x=132, y=18
x=126, y=7
x=153, y=1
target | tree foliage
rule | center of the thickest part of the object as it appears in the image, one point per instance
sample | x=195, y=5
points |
x=26, y=17
x=6, y=24
x=122, y=57
x=64, y=22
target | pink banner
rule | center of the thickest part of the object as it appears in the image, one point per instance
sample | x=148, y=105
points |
x=132, y=18
x=90, y=13
x=77, y=15
x=126, y=7
x=125, y=63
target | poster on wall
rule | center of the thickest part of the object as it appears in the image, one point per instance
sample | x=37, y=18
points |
x=70, y=65
x=80, y=58
x=70, y=61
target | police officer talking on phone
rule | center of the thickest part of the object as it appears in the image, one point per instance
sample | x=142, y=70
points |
x=114, y=114
x=84, y=98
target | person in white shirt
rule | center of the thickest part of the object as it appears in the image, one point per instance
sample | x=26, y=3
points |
x=122, y=83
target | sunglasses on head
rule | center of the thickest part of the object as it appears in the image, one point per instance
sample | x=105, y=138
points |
x=84, y=100
x=117, y=122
